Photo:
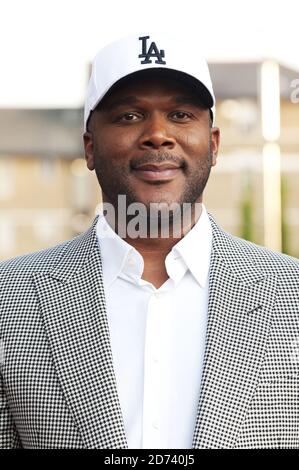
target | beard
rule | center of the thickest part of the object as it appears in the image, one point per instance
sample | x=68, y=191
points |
x=116, y=180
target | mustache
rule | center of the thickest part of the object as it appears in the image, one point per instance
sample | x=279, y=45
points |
x=158, y=157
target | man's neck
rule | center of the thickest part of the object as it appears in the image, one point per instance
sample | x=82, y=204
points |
x=160, y=242
x=155, y=249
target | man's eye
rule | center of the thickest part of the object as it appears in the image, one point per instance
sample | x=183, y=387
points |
x=181, y=115
x=129, y=117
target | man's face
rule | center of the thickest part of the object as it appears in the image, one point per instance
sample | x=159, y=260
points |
x=156, y=123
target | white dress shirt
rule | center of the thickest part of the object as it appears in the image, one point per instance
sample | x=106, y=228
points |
x=158, y=335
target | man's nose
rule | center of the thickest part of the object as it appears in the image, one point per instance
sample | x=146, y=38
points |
x=156, y=134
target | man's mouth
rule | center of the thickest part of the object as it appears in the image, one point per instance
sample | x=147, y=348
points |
x=155, y=172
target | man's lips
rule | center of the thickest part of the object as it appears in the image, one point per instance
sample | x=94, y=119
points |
x=152, y=172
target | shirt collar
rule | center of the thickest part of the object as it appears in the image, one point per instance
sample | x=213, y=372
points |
x=192, y=252
x=118, y=257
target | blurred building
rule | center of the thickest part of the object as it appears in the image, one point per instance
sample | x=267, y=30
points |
x=48, y=195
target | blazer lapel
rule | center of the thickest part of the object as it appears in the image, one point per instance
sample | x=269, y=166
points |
x=72, y=303
x=240, y=307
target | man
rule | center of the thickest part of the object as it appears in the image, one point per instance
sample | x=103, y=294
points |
x=123, y=337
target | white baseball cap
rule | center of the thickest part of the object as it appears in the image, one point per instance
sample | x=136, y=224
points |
x=148, y=51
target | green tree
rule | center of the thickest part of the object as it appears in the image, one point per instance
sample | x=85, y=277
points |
x=247, y=229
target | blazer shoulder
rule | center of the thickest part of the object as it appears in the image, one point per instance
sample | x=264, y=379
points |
x=243, y=254
x=68, y=253
x=266, y=259
x=40, y=261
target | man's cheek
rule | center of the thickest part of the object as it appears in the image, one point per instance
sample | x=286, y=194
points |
x=194, y=141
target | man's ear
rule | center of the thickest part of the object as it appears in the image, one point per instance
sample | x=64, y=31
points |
x=88, y=148
x=215, y=141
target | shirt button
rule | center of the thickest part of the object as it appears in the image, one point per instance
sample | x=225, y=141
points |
x=155, y=359
x=158, y=295
x=155, y=425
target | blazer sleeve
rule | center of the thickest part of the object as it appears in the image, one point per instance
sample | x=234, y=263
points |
x=9, y=438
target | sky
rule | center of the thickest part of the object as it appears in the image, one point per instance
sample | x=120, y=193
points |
x=46, y=45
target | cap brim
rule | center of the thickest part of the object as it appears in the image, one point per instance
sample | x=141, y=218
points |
x=193, y=83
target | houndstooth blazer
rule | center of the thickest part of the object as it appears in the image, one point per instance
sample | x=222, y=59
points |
x=58, y=388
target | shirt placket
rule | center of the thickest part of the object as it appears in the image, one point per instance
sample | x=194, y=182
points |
x=156, y=379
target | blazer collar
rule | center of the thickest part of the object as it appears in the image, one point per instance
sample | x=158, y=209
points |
x=241, y=298
x=230, y=250
x=72, y=303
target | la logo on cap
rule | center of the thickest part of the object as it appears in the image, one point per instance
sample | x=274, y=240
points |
x=151, y=52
